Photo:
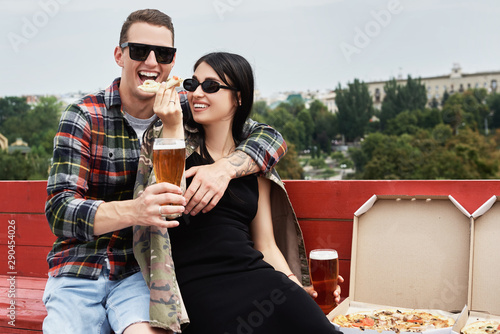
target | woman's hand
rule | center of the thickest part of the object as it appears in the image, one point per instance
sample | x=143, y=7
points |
x=310, y=290
x=167, y=106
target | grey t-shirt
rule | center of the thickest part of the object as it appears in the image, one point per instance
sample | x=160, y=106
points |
x=139, y=124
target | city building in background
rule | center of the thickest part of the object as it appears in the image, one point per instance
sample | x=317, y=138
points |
x=18, y=146
x=4, y=142
x=436, y=86
x=326, y=97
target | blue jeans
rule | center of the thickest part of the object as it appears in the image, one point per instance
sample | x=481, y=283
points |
x=78, y=305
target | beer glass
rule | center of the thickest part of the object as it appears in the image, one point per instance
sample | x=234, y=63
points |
x=324, y=271
x=169, y=156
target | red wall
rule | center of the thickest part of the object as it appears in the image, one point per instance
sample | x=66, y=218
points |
x=325, y=210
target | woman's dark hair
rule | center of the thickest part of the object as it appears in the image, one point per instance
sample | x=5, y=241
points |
x=234, y=71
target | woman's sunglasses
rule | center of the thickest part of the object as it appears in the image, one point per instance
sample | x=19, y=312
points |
x=140, y=52
x=208, y=86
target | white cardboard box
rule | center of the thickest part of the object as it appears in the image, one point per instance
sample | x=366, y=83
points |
x=348, y=306
x=483, y=298
x=409, y=252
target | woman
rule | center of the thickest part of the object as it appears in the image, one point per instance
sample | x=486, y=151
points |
x=232, y=275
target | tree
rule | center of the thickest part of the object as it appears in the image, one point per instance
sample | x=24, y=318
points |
x=399, y=98
x=493, y=102
x=446, y=95
x=295, y=105
x=316, y=108
x=44, y=121
x=434, y=103
x=435, y=154
x=391, y=158
x=476, y=108
x=37, y=126
x=304, y=118
x=361, y=156
x=259, y=118
x=12, y=107
x=355, y=108
x=360, y=159
x=279, y=117
x=324, y=130
x=293, y=132
x=260, y=108
x=405, y=122
x=412, y=121
x=390, y=104
x=429, y=118
x=453, y=113
x=14, y=166
x=479, y=154
x=441, y=134
x=289, y=167
x=34, y=123
x=467, y=109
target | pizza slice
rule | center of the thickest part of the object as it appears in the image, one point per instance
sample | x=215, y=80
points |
x=482, y=327
x=151, y=86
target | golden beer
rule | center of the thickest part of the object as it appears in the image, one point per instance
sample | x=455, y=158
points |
x=324, y=271
x=169, y=156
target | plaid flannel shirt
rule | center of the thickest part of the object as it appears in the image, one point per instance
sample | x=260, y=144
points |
x=96, y=154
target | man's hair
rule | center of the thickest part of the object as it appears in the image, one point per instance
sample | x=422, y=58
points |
x=151, y=16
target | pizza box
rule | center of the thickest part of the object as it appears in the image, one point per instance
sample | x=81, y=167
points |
x=409, y=252
x=348, y=306
x=484, y=286
x=470, y=317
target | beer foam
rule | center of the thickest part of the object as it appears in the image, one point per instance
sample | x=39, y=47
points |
x=324, y=254
x=172, y=146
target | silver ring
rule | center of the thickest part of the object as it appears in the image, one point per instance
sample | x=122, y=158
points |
x=159, y=211
x=172, y=101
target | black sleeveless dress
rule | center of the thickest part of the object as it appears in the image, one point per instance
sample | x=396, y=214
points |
x=226, y=286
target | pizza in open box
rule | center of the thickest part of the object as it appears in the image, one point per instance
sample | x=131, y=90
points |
x=482, y=327
x=394, y=320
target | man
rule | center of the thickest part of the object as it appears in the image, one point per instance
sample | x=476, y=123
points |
x=94, y=280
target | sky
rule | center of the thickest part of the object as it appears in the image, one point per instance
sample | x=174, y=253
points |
x=56, y=47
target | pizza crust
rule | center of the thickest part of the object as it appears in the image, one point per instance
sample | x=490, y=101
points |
x=482, y=327
x=151, y=86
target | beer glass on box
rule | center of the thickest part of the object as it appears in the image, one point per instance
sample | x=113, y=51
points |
x=324, y=271
x=169, y=155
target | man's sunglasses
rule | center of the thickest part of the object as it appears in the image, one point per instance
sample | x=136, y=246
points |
x=140, y=52
x=208, y=86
